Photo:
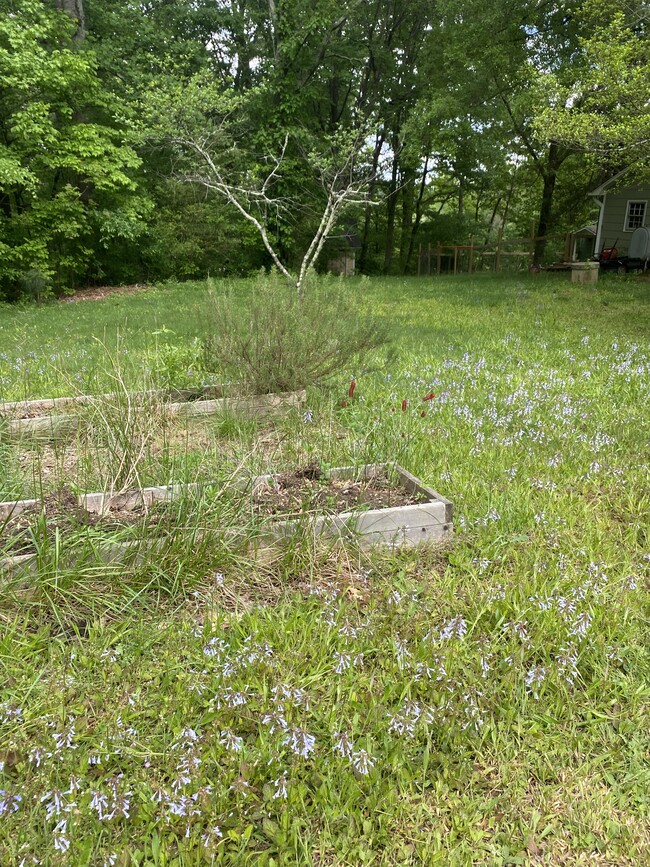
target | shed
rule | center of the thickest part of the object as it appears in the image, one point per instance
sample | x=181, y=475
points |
x=624, y=207
x=581, y=244
x=341, y=251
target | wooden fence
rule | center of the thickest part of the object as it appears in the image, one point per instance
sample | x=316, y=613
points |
x=469, y=258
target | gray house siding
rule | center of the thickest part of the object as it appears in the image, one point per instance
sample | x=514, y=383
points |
x=613, y=231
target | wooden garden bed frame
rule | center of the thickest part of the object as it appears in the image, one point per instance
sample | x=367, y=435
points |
x=52, y=424
x=428, y=521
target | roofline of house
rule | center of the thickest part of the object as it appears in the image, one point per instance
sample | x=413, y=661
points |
x=599, y=191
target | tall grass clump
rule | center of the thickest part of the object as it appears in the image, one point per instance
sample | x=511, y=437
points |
x=124, y=426
x=276, y=342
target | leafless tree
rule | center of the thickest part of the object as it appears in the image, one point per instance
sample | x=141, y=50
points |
x=341, y=176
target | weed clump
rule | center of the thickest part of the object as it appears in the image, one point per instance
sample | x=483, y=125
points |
x=278, y=342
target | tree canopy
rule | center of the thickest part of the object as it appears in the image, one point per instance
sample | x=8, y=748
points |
x=604, y=107
x=478, y=118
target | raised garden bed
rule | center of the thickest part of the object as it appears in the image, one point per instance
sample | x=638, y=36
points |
x=66, y=513
x=376, y=504
x=54, y=417
x=99, y=503
x=33, y=408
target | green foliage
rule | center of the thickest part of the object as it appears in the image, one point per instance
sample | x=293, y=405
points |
x=64, y=167
x=190, y=237
x=174, y=365
x=478, y=135
x=602, y=106
x=35, y=285
x=276, y=342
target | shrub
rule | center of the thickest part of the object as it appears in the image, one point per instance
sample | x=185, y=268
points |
x=36, y=285
x=275, y=342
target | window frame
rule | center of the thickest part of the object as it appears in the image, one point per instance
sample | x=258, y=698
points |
x=626, y=223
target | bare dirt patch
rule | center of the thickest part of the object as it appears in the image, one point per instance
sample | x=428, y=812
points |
x=96, y=293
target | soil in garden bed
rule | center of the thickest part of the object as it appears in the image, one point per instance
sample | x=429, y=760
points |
x=307, y=490
x=62, y=512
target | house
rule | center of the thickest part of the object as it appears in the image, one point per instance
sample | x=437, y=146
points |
x=624, y=207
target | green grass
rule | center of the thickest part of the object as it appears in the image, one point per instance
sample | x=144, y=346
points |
x=499, y=688
x=60, y=349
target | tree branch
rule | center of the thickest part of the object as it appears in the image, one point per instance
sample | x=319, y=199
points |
x=337, y=177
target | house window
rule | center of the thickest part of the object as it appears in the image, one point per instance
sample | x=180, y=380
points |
x=635, y=216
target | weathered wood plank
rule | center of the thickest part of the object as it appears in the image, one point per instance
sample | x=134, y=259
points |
x=377, y=520
x=15, y=507
x=40, y=427
x=367, y=471
x=108, y=553
x=51, y=426
x=130, y=500
x=99, y=503
x=259, y=405
x=11, y=567
x=414, y=486
x=408, y=536
x=374, y=521
x=16, y=407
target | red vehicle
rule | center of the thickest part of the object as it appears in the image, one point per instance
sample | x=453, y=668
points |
x=638, y=254
x=609, y=260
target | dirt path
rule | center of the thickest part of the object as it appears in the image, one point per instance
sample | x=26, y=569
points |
x=96, y=293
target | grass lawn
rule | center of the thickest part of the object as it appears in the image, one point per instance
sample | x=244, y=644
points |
x=485, y=703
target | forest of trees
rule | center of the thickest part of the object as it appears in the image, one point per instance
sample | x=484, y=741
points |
x=138, y=139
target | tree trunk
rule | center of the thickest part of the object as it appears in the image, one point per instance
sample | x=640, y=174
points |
x=493, y=217
x=273, y=19
x=74, y=9
x=335, y=85
x=391, y=206
x=418, y=212
x=408, y=204
x=544, y=223
x=365, y=241
x=479, y=201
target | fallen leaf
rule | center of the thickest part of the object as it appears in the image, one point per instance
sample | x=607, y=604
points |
x=531, y=846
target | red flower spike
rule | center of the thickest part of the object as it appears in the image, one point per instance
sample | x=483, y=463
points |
x=344, y=403
x=353, y=385
x=429, y=396
x=423, y=413
x=405, y=404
